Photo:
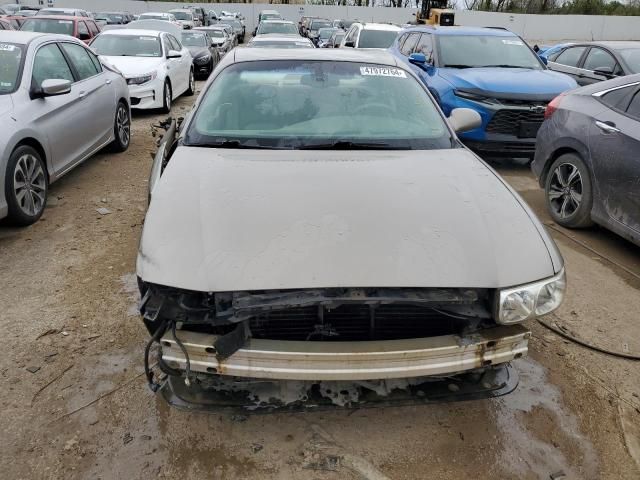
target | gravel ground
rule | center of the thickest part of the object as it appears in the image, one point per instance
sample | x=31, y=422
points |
x=67, y=307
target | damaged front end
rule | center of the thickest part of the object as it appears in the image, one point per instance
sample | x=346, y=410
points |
x=328, y=334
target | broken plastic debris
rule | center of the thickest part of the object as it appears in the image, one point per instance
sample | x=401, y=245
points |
x=103, y=211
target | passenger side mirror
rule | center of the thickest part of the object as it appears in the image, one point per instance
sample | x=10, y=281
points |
x=464, y=119
x=174, y=54
x=84, y=36
x=544, y=60
x=350, y=44
x=605, y=71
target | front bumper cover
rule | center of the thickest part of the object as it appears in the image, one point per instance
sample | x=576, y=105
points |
x=361, y=360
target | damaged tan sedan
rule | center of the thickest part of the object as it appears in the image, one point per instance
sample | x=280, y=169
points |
x=315, y=218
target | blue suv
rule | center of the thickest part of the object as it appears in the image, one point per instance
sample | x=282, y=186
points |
x=492, y=71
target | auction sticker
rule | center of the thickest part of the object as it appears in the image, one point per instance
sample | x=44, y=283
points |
x=7, y=48
x=383, y=72
x=512, y=42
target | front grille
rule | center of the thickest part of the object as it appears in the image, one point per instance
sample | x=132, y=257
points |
x=508, y=121
x=355, y=322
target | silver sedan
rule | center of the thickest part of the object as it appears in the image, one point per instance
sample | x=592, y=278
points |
x=58, y=106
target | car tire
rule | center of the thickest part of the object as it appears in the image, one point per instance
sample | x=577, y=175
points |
x=26, y=185
x=568, y=192
x=121, y=129
x=192, y=85
x=167, y=97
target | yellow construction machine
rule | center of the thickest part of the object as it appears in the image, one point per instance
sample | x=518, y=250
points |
x=435, y=12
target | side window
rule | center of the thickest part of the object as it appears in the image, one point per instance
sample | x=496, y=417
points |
x=80, y=59
x=83, y=31
x=93, y=28
x=571, y=56
x=598, y=58
x=409, y=44
x=49, y=63
x=425, y=45
x=634, y=106
x=175, y=44
x=166, y=44
x=618, y=98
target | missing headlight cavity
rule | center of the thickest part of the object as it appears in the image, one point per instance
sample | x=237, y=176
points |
x=332, y=314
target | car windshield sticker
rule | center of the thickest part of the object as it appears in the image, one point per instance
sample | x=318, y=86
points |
x=383, y=72
x=65, y=22
x=7, y=48
x=148, y=39
x=512, y=42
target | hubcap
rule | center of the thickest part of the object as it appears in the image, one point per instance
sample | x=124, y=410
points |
x=123, y=125
x=565, y=190
x=29, y=185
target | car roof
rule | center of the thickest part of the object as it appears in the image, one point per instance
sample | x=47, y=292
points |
x=154, y=13
x=132, y=31
x=62, y=9
x=453, y=30
x=353, y=55
x=380, y=26
x=25, y=38
x=280, y=36
x=614, y=44
x=56, y=17
x=276, y=21
x=19, y=37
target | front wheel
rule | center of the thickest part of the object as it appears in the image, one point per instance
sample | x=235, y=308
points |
x=568, y=192
x=192, y=84
x=121, y=129
x=167, y=97
x=26, y=185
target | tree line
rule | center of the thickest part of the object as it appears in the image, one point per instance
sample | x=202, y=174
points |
x=569, y=7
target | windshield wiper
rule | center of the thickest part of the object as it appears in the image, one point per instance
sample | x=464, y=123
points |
x=504, y=66
x=234, y=144
x=350, y=145
x=453, y=65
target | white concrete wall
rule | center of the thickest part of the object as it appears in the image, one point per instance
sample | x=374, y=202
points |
x=548, y=28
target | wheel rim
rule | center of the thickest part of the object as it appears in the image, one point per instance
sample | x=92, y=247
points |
x=167, y=96
x=565, y=190
x=29, y=185
x=123, y=125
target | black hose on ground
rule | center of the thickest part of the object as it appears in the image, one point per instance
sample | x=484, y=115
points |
x=557, y=330
x=153, y=385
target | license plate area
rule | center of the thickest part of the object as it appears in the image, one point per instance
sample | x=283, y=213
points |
x=528, y=129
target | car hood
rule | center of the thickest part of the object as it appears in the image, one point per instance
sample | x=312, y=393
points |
x=198, y=51
x=6, y=104
x=509, y=80
x=228, y=220
x=134, y=66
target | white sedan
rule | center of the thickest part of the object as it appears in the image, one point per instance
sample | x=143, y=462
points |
x=158, y=68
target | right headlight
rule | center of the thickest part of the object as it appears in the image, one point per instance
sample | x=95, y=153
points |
x=518, y=304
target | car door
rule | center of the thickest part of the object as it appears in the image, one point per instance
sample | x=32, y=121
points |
x=99, y=104
x=83, y=32
x=599, y=58
x=568, y=61
x=172, y=65
x=183, y=64
x=51, y=115
x=614, y=142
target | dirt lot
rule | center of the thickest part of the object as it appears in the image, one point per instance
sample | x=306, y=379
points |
x=75, y=404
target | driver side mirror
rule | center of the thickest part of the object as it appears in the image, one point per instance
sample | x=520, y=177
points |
x=174, y=54
x=420, y=60
x=350, y=44
x=84, y=36
x=51, y=88
x=604, y=71
x=464, y=119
